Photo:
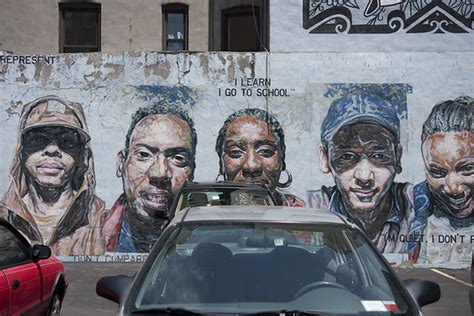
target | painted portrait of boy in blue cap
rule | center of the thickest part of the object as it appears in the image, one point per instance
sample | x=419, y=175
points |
x=360, y=147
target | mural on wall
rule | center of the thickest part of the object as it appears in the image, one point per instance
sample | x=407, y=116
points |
x=51, y=195
x=251, y=147
x=388, y=16
x=352, y=148
x=360, y=147
x=444, y=202
x=158, y=159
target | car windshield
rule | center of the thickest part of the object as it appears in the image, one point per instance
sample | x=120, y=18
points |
x=224, y=196
x=262, y=267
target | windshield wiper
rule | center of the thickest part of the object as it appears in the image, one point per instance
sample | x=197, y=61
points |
x=164, y=311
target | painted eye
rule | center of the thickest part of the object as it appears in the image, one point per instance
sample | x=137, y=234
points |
x=380, y=157
x=69, y=141
x=143, y=155
x=235, y=153
x=347, y=157
x=467, y=169
x=179, y=160
x=266, y=152
x=36, y=140
x=437, y=173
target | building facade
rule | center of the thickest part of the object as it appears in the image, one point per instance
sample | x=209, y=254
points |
x=374, y=99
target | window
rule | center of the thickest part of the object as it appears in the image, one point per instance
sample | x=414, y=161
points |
x=244, y=28
x=79, y=29
x=175, y=27
x=12, y=250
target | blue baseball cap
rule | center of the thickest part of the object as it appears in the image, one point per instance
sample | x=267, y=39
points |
x=360, y=108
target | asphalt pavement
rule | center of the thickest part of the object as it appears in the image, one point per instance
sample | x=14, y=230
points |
x=81, y=298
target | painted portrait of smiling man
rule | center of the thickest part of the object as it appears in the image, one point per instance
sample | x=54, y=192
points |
x=447, y=194
x=158, y=159
x=51, y=197
x=360, y=147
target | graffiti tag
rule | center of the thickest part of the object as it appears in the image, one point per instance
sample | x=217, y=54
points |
x=27, y=59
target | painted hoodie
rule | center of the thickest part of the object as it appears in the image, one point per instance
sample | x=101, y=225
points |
x=78, y=230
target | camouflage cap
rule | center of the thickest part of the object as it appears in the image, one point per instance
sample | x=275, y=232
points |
x=360, y=108
x=54, y=111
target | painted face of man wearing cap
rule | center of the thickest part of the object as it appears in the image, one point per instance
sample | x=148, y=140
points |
x=51, y=197
x=360, y=148
x=51, y=156
x=363, y=159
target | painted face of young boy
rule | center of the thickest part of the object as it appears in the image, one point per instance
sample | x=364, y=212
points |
x=364, y=159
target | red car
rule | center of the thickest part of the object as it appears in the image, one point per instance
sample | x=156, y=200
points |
x=31, y=281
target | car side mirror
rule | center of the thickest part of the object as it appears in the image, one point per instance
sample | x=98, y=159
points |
x=114, y=288
x=424, y=292
x=40, y=252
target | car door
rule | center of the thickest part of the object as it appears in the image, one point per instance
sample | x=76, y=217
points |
x=20, y=272
x=4, y=294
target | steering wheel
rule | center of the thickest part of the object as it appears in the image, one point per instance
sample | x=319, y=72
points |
x=316, y=285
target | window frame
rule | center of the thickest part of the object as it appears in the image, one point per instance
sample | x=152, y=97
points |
x=174, y=8
x=79, y=7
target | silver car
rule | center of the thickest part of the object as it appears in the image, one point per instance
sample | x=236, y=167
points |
x=265, y=260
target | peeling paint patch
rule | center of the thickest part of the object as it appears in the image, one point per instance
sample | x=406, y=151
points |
x=162, y=69
x=37, y=72
x=222, y=59
x=68, y=61
x=204, y=63
x=4, y=68
x=45, y=73
x=117, y=71
x=178, y=95
x=13, y=108
x=94, y=59
x=134, y=54
x=91, y=78
x=231, y=72
x=243, y=62
x=22, y=79
x=57, y=84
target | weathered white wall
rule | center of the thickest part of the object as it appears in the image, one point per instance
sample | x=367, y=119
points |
x=105, y=85
x=108, y=87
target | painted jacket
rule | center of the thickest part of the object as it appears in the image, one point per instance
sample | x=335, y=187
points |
x=442, y=232
x=119, y=235
x=78, y=230
x=397, y=223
